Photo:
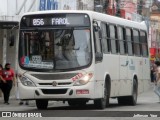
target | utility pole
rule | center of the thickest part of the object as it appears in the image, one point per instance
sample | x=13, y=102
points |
x=118, y=10
x=113, y=8
x=140, y=6
x=105, y=6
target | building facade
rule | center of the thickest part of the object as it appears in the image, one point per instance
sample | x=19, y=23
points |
x=155, y=31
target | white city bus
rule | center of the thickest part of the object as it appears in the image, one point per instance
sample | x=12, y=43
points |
x=77, y=56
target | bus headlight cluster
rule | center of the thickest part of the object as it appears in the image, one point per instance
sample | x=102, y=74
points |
x=26, y=82
x=84, y=80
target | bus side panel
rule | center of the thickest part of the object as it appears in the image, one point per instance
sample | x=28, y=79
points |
x=126, y=84
x=114, y=74
x=123, y=75
x=109, y=64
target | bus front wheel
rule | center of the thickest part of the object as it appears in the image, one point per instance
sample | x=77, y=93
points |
x=42, y=104
x=102, y=103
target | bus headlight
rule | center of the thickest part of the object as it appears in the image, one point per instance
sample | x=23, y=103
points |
x=26, y=82
x=84, y=80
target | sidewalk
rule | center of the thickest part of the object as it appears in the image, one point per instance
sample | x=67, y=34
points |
x=149, y=96
x=14, y=103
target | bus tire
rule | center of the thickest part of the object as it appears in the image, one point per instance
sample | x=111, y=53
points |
x=102, y=103
x=130, y=100
x=42, y=104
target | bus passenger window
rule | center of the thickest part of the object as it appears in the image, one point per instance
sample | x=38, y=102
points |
x=129, y=41
x=121, y=40
x=125, y=41
x=136, y=43
x=143, y=40
x=116, y=39
x=97, y=43
x=104, y=38
x=113, y=37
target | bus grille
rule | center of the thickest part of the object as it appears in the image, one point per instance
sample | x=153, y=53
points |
x=54, y=91
x=64, y=83
x=54, y=76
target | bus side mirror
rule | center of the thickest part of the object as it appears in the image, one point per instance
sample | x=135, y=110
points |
x=95, y=26
x=97, y=29
x=98, y=57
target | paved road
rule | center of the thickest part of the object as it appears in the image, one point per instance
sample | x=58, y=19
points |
x=148, y=104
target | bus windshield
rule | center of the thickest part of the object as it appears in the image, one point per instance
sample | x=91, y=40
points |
x=54, y=49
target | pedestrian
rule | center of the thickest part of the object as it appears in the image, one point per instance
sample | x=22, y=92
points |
x=153, y=72
x=1, y=78
x=157, y=81
x=9, y=77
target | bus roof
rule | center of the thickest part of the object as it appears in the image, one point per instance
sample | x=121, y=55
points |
x=97, y=16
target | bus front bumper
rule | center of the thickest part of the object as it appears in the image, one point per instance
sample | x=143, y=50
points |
x=59, y=93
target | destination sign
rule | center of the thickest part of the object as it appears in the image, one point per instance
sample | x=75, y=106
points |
x=55, y=20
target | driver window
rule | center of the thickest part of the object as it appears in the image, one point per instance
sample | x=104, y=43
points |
x=67, y=43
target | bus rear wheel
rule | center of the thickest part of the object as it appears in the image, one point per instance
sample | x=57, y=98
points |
x=42, y=104
x=133, y=98
x=130, y=100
